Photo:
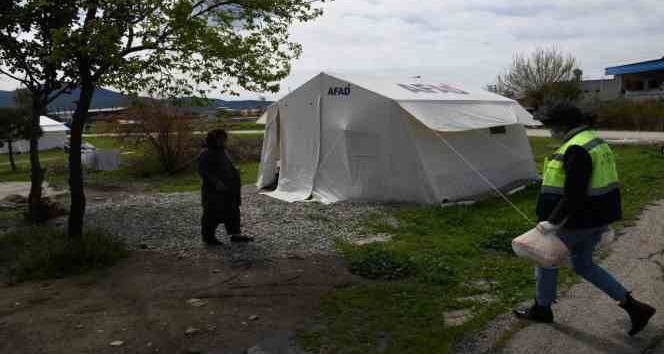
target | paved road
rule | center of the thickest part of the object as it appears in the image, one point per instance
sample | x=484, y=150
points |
x=627, y=136
x=588, y=322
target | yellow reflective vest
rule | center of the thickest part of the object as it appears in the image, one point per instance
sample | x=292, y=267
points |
x=602, y=204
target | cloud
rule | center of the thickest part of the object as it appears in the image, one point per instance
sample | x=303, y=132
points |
x=470, y=41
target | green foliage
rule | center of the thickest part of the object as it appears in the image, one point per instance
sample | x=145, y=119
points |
x=14, y=124
x=170, y=47
x=42, y=253
x=626, y=114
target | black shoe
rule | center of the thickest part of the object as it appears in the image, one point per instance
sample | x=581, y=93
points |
x=638, y=312
x=213, y=242
x=535, y=313
x=241, y=238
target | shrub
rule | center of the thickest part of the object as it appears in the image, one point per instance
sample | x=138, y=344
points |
x=630, y=115
x=37, y=253
x=167, y=131
x=245, y=148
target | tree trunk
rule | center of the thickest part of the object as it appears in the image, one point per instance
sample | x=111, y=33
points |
x=77, y=208
x=37, y=173
x=10, y=151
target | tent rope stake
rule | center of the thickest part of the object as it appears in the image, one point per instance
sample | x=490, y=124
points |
x=483, y=177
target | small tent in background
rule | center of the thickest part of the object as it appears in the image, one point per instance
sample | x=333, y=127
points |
x=54, y=137
x=376, y=139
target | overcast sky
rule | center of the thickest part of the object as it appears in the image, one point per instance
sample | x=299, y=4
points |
x=469, y=41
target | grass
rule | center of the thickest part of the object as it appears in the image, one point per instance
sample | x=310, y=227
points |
x=427, y=268
x=36, y=253
x=134, y=170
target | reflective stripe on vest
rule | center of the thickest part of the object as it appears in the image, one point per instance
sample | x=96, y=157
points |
x=604, y=178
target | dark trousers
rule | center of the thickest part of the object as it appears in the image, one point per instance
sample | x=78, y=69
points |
x=212, y=217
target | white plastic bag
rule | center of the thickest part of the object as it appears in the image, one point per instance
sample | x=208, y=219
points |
x=541, y=246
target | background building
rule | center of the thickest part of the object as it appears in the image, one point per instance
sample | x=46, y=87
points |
x=638, y=81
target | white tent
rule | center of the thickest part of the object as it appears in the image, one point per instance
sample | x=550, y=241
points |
x=343, y=137
x=55, y=136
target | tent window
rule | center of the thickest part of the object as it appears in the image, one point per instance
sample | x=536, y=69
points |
x=498, y=130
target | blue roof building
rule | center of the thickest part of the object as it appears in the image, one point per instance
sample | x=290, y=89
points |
x=637, y=81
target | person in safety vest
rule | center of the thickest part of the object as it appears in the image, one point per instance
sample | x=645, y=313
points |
x=221, y=191
x=579, y=198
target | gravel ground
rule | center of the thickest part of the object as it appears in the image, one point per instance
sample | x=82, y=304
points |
x=171, y=222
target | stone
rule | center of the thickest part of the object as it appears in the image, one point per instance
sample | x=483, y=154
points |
x=196, y=302
x=480, y=298
x=79, y=326
x=482, y=285
x=367, y=239
x=253, y=318
x=457, y=318
x=116, y=343
x=191, y=331
x=392, y=222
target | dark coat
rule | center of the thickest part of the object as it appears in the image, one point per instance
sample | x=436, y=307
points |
x=214, y=166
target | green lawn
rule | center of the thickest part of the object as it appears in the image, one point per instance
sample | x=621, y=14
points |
x=134, y=170
x=426, y=269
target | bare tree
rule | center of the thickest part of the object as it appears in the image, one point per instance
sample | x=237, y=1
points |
x=530, y=76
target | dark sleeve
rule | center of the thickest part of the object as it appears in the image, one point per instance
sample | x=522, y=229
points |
x=578, y=167
x=204, y=169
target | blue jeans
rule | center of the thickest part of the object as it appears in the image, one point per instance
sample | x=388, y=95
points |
x=581, y=244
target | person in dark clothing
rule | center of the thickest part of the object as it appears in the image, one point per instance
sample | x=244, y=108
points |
x=221, y=191
x=580, y=197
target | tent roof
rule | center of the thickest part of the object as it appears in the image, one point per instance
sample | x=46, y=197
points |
x=438, y=105
x=49, y=125
x=420, y=89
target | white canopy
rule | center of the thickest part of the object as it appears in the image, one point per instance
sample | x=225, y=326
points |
x=54, y=136
x=49, y=125
x=342, y=137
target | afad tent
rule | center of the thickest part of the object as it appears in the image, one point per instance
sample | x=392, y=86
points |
x=343, y=137
x=54, y=136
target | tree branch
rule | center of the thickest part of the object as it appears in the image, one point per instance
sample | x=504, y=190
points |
x=6, y=73
x=210, y=8
x=67, y=88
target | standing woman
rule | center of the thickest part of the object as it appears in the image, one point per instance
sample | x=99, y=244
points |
x=579, y=199
x=221, y=192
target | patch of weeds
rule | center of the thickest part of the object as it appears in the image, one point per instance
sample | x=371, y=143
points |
x=37, y=253
x=501, y=240
x=377, y=262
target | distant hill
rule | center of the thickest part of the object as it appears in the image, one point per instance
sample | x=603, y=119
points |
x=104, y=98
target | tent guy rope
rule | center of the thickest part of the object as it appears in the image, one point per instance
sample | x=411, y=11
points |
x=483, y=177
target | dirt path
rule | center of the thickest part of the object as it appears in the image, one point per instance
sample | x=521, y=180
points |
x=143, y=302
